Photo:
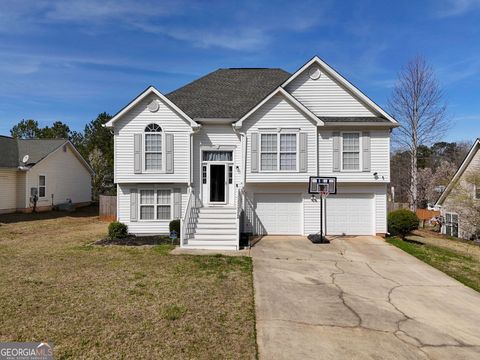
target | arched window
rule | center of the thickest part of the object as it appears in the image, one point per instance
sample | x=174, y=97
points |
x=153, y=128
x=153, y=147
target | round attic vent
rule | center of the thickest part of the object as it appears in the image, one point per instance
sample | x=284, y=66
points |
x=315, y=73
x=25, y=159
x=153, y=106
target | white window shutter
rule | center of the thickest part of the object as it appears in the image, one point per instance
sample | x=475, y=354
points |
x=336, y=151
x=303, y=148
x=169, y=156
x=254, y=153
x=133, y=204
x=366, y=151
x=137, y=153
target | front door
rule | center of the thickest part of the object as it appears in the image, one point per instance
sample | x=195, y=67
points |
x=217, y=177
x=218, y=183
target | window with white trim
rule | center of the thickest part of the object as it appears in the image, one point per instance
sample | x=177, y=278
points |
x=278, y=152
x=42, y=186
x=155, y=204
x=351, y=151
x=153, y=147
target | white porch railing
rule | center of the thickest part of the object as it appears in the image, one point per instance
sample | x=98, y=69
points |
x=239, y=214
x=189, y=220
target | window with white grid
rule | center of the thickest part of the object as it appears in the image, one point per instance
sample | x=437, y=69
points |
x=155, y=204
x=164, y=206
x=268, y=152
x=147, y=204
x=278, y=152
x=288, y=151
x=351, y=151
x=153, y=148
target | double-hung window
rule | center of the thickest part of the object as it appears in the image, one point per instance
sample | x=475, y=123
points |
x=153, y=148
x=155, y=204
x=278, y=152
x=42, y=186
x=351, y=151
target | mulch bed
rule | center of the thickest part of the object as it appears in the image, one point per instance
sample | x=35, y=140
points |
x=132, y=240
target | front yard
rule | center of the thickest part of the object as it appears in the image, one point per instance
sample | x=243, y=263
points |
x=119, y=302
x=456, y=258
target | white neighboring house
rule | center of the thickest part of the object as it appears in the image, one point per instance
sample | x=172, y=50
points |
x=52, y=168
x=458, y=220
x=245, y=141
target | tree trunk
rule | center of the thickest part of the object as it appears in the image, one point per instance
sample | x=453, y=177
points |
x=413, y=180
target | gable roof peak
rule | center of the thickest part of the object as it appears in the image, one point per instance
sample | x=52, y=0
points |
x=352, y=89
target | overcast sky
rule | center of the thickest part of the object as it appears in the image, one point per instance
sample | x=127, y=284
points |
x=70, y=60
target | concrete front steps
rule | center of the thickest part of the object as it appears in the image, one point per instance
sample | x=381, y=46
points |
x=216, y=229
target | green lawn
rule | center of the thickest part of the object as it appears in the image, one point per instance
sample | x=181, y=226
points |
x=119, y=302
x=462, y=267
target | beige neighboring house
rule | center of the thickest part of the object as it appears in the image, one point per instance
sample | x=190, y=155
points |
x=460, y=201
x=52, y=169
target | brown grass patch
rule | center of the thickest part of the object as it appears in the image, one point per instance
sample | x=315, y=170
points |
x=119, y=302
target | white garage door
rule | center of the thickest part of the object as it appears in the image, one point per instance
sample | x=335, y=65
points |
x=279, y=214
x=350, y=214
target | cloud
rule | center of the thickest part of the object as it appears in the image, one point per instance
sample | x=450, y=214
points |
x=451, y=8
x=232, y=26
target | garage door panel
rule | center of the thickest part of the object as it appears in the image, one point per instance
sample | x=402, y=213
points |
x=279, y=213
x=350, y=214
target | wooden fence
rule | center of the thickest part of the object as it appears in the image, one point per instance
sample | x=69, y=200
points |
x=108, y=208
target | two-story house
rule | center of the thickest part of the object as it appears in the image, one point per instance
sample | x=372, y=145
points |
x=233, y=151
x=460, y=201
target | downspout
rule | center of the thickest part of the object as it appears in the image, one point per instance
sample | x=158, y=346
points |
x=244, y=153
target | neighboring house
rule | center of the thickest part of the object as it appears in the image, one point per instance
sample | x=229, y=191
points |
x=460, y=201
x=53, y=169
x=233, y=151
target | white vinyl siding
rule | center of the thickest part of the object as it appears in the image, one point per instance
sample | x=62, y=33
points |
x=66, y=179
x=326, y=97
x=134, y=122
x=278, y=115
x=379, y=155
x=153, y=226
x=350, y=151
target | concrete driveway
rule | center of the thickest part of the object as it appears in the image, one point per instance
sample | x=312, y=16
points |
x=358, y=298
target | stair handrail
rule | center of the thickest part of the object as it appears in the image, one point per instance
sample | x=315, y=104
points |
x=187, y=223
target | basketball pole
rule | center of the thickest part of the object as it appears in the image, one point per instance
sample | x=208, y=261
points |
x=321, y=218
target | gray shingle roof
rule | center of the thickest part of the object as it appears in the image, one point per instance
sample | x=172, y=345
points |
x=37, y=149
x=8, y=152
x=13, y=150
x=352, y=119
x=227, y=93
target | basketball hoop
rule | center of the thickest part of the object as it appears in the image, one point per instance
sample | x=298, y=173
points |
x=323, y=186
x=324, y=194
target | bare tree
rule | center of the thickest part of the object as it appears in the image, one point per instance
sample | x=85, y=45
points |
x=417, y=103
